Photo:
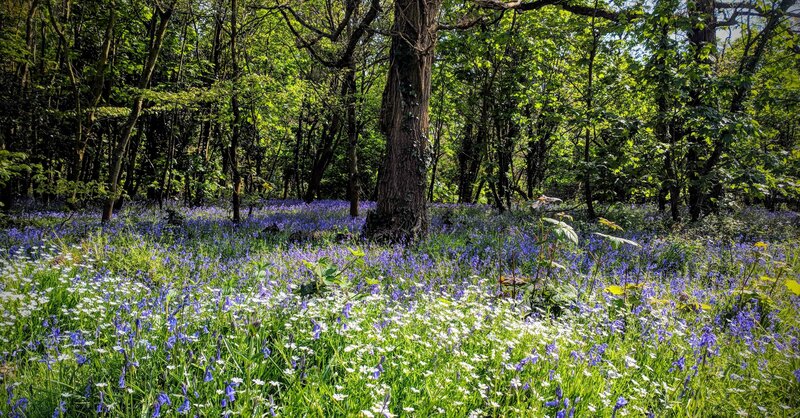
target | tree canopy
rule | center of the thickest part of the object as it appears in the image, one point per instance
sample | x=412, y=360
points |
x=690, y=105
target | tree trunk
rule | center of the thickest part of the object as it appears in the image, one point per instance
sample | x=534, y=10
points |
x=84, y=132
x=665, y=130
x=352, y=137
x=237, y=119
x=327, y=147
x=157, y=38
x=402, y=207
x=702, y=40
x=468, y=164
x=747, y=68
x=587, y=170
x=131, y=183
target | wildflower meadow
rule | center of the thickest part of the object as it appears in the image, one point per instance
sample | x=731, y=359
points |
x=291, y=313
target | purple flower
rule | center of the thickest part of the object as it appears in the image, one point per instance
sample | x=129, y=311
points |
x=557, y=401
x=316, y=330
x=101, y=406
x=81, y=359
x=230, y=394
x=378, y=369
x=185, y=407
x=552, y=350
x=60, y=409
x=797, y=375
x=621, y=402
x=19, y=407
x=596, y=353
x=161, y=400
x=680, y=364
x=207, y=377
x=172, y=323
x=346, y=310
x=122, y=379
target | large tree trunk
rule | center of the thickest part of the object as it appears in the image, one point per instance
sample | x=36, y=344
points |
x=161, y=17
x=402, y=207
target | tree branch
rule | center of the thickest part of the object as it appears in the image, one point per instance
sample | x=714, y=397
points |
x=465, y=23
x=567, y=5
x=754, y=9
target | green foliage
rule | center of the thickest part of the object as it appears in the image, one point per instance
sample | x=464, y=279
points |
x=617, y=242
x=12, y=164
x=327, y=274
x=562, y=230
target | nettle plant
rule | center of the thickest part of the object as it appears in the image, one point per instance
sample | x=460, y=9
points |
x=546, y=290
x=326, y=275
x=762, y=279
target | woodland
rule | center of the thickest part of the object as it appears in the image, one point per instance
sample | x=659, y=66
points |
x=689, y=105
x=381, y=208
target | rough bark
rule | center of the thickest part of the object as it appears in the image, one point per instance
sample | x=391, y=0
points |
x=402, y=208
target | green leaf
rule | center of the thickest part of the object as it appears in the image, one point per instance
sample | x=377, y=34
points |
x=357, y=252
x=793, y=286
x=563, y=230
x=617, y=242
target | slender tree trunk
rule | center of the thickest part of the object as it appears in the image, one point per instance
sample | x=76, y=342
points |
x=352, y=137
x=702, y=39
x=402, y=207
x=328, y=143
x=466, y=158
x=85, y=131
x=665, y=130
x=587, y=169
x=165, y=179
x=747, y=68
x=159, y=23
x=237, y=118
x=24, y=70
x=437, y=145
x=131, y=182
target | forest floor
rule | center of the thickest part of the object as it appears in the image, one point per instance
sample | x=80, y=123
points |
x=290, y=314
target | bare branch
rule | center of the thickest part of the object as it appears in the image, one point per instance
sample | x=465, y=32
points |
x=753, y=9
x=567, y=5
x=465, y=23
x=344, y=58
